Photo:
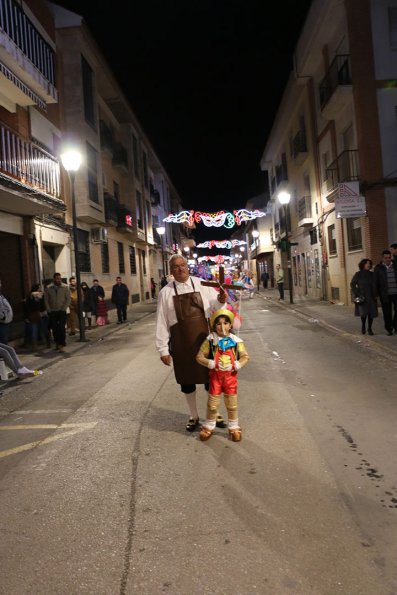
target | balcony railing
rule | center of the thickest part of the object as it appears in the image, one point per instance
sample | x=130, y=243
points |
x=339, y=73
x=299, y=146
x=20, y=29
x=111, y=209
x=343, y=169
x=305, y=211
x=29, y=164
x=120, y=157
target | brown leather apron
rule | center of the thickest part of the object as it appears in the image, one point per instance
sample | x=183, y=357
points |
x=187, y=336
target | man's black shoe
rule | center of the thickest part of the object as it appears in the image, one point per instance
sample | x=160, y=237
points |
x=220, y=422
x=192, y=424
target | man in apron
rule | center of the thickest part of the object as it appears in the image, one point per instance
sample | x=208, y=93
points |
x=183, y=309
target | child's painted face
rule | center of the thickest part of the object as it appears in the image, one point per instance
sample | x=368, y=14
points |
x=222, y=326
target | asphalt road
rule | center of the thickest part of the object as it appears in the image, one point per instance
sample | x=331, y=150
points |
x=102, y=491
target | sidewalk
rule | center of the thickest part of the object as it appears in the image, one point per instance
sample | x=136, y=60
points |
x=45, y=357
x=337, y=318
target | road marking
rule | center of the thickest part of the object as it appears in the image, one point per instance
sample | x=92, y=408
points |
x=29, y=411
x=78, y=428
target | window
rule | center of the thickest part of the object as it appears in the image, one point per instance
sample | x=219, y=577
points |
x=393, y=26
x=139, y=210
x=148, y=215
x=135, y=151
x=120, y=251
x=354, y=238
x=92, y=174
x=325, y=163
x=116, y=191
x=105, y=258
x=132, y=260
x=145, y=170
x=83, y=248
x=332, y=240
x=88, y=92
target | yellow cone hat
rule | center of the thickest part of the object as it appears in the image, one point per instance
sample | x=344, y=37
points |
x=222, y=312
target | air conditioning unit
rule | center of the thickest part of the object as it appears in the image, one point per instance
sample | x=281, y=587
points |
x=99, y=235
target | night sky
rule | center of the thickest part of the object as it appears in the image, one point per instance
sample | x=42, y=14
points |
x=204, y=79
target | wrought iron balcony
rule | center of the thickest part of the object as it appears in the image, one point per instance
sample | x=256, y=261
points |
x=337, y=77
x=305, y=211
x=25, y=163
x=124, y=219
x=106, y=136
x=111, y=209
x=343, y=169
x=299, y=147
x=120, y=157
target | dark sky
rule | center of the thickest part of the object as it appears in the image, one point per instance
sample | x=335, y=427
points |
x=204, y=78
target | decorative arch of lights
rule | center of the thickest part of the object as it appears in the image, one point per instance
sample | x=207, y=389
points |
x=221, y=244
x=219, y=219
x=219, y=258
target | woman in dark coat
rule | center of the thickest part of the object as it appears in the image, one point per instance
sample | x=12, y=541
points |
x=363, y=288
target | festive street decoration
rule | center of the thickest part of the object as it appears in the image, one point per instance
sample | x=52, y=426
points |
x=219, y=219
x=221, y=244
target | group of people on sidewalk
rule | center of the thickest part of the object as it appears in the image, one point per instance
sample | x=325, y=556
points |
x=50, y=312
x=367, y=286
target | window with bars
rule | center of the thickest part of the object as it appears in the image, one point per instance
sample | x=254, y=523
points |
x=105, y=258
x=120, y=252
x=354, y=236
x=83, y=248
x=332, y=240
x=132, y=260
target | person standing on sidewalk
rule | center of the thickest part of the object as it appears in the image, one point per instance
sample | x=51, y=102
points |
x=280, y=281
x=265, y=279
x=120, y=294
x=73, y=315
x=97, y=292
x=364, y=291
x=57, y=301
x=6, y=316
x=393, y=250
x=386, y=288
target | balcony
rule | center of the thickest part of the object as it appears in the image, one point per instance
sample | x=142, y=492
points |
x=111, y=209
x=299, y=147
x=29, y=177
x=305, y=211
x=27, y=60
x=343, y=169
x=336, y=87
x=154, y=196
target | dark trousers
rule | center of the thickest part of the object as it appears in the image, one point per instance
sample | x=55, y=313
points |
x=187, y=389
x=265, y=284
x=58, y=327
x=121, y=312
x=281, y=290
x=389, y=310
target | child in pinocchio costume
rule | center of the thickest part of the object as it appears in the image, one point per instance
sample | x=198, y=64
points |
x=224, y=354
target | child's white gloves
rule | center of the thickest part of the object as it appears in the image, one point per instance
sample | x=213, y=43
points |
x=211, y=364
x=237, y=365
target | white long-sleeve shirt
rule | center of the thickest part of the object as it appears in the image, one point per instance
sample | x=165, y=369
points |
x=166, y=316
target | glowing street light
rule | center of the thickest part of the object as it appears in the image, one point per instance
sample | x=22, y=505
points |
x=161, y=232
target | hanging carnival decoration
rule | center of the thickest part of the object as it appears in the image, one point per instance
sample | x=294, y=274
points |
x=221, y=244
x=219, y=258
x=219, y=219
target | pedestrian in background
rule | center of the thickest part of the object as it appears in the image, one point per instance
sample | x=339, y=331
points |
x=364, y=291
x=120, y=294
x=280, y=281
x=86, y=303
x=265, y=279
x=73, y=318
x=163, y=282
x=153, y=286
x=6, y=316
x=102, y=318
x=386, y=288
x=57, y=301
x=37, y=317
x=96, y=291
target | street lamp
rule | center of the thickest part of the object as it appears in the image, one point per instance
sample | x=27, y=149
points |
x=161, y=232
x=284, y=198
x=71, y=161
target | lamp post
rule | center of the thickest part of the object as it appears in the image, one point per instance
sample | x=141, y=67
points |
x=71, y=161
x=161, y=232
x=284, y=198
